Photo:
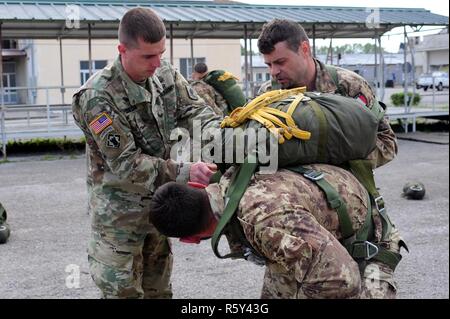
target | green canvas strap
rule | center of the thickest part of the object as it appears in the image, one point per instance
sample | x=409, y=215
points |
x=334, y=200
x=362, y=170
x=323, y=132
x=235, y=192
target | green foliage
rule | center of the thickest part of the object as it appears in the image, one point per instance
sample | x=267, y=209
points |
x=349, y=48
x=398, y=99
x=39, y=145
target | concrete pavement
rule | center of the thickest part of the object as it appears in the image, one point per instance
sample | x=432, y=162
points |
x=46, y=204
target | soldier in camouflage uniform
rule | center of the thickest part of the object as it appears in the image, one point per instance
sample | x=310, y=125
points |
x=285, y=217
x=127, y=112
x=286, y=50
x=4, y=227
x=207, y=92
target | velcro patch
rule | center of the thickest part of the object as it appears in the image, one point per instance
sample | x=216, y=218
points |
x=191, y=93
x=113, y=141
x=100, y=123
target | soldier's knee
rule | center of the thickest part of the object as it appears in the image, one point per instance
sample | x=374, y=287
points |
x=114, y=282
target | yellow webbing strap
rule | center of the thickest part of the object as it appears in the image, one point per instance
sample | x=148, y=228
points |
x=258, y=109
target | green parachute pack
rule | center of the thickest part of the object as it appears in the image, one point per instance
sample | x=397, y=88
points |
x=226, y=84
x=310, y=127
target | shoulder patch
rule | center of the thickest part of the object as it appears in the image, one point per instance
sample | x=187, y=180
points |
x=113, y=140
x=191, y=93
x=100, y=123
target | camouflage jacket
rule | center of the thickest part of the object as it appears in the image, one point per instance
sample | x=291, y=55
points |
x=2, y=214
x=211, y=97
x=353, y=85
x=285, y=216
x=127, y=129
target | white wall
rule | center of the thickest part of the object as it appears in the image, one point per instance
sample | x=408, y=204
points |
x=219, y=54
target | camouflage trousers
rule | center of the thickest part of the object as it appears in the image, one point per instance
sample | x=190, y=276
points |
x=332, y=274
x=128, y=257
x=378, y=279
x=135, y=270
x=335, y=276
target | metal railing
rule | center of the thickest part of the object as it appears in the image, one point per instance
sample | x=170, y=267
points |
x=51, y=118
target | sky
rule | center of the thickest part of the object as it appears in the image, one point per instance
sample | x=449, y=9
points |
x=391, y=40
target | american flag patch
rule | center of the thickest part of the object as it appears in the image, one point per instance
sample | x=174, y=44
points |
x=100, y=123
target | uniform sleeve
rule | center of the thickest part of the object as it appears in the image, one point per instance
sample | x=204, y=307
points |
x=387, y=147
x=111, y=134
x=318, y=262
x=386, y=144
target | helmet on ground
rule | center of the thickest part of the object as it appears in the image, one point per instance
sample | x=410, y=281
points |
x=414, y=190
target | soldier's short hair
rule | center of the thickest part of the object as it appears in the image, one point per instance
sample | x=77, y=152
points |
x=178, y=210
x=141, y=23
x=201, y=67
x=279, y=30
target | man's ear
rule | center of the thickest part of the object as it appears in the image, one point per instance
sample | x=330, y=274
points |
x=305, y=48
x=121, y=48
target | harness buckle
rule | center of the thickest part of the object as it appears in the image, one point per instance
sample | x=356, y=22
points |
x=370, y=250
x=313, y=175
x=379, y=204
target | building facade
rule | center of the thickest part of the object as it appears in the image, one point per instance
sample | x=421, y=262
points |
x=32, y=66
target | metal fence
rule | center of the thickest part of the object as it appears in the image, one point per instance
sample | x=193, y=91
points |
x=52, y=118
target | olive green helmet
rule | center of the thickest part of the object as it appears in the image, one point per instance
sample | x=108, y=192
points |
x=414, y=190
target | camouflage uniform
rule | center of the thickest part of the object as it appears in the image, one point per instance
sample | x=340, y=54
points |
x=127, y=128
x=4, y=227
x=285, y=217
x=211, y=97
x=351, y=84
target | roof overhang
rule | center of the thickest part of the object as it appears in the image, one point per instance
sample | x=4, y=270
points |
x=203, y=19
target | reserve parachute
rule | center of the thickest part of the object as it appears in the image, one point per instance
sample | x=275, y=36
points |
x=310, y=127
x=226, y=84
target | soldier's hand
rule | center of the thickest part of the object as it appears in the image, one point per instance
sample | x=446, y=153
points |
x=201, y=172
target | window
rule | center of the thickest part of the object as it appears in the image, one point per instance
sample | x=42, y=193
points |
x=96, y=66
x=9, y=44
x=259, y=77
x=186, y=67
x=9, y=80
x=267, y=76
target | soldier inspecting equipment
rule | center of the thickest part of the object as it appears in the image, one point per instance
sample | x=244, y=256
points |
x=286, y=50
x=127, y=112
x=284, y=201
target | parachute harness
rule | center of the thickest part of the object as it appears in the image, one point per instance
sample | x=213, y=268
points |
x=259, y=110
